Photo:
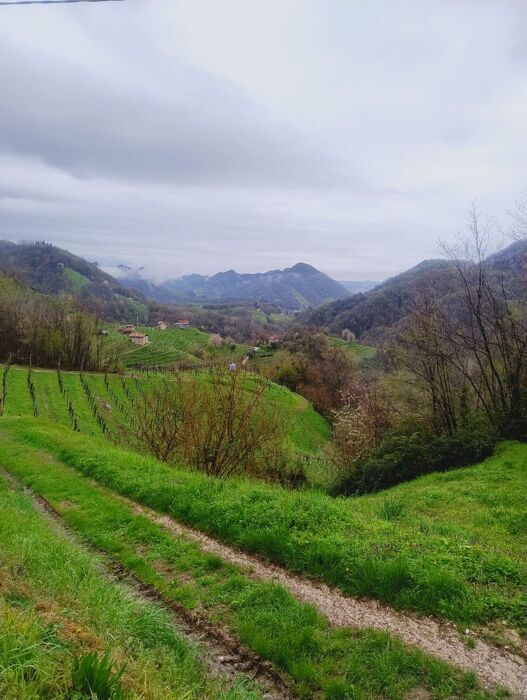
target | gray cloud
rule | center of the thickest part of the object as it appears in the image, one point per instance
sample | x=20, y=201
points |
x=198, y=136
x=208, y=132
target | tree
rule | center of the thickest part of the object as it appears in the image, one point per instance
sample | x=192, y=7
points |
x=218, y=423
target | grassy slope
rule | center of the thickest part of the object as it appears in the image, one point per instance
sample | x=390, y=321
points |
x=323, y=662
x=452, y=544
x=59, y=605
x=357, y=351
x=172, y=346
x=308, y=430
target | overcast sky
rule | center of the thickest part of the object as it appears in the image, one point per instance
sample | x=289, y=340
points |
x=203, y=135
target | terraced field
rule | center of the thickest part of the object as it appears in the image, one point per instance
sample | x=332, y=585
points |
x=97, y=404
x=173, y=346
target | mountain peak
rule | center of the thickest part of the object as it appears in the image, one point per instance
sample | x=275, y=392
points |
x=303, y=268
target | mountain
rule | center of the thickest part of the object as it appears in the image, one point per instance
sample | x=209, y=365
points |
x=292, y=289
x=51, y=270
x=371, y=314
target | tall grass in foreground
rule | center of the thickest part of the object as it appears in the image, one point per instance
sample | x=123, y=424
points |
x=66, y=629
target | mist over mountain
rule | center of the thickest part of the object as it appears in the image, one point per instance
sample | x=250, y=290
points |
x=293, y=289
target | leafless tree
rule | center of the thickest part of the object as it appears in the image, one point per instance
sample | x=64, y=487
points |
x=218, y=422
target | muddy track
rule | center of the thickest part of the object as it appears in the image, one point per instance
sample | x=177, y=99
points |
x=493, y=665
x=223, y=655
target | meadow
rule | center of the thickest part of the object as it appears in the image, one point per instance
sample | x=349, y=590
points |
x=319, y=661
x=61, y=617
x=450, y=544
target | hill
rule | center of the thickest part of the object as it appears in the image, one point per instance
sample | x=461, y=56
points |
x=97, y=404
x=371, y=314
x=68, y=540
x=292, y=289
x=449, y=544
x=51, y=270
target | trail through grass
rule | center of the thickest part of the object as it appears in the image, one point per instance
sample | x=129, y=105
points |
x=323, y=662
x=57, y=607
x=455, y=547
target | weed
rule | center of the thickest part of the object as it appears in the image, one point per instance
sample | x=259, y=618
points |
x=93, y=675
x=392, y=509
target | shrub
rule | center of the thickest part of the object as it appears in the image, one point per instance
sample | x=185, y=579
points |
x=406, y=455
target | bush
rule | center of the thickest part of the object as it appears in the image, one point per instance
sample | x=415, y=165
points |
x=406, y=455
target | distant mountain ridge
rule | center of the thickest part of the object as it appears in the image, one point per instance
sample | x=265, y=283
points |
x=293, y=289
x=358, y=286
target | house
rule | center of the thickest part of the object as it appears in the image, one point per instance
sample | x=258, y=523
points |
x=126, y=330
x=182, y=324
x=161, y=325
x=138, y=338
x=274, y=340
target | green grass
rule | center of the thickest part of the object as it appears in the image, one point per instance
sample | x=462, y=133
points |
x=456, y=547
x=57, y=608
x=188, y=346
x=356, y=350
x=76, y=280
x=322, y=662
x=307, y=430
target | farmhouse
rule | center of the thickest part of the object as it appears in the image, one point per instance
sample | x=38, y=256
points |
x=182, y=324
x=126, y=330
x=138, y=338
x=161, y=325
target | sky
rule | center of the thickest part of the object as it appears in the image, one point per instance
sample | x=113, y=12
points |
x=198, y=136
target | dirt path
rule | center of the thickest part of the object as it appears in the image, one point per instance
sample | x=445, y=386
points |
x=222, y=653
x=493, y=665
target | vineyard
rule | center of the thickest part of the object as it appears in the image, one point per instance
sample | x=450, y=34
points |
x=174, y=346
x=99, y=403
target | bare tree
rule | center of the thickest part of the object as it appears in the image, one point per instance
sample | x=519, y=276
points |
x=218, y=422
x=423, y=349
x=492, y=336
x=519, y=220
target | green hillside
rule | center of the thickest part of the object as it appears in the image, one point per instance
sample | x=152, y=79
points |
x=171, y=347
x=64, y=603
x=356, y=350
x=110, y=395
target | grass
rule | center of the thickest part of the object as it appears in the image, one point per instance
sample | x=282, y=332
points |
x=308, y=431
x=61, y=618
x=455, y=547
x=175, y=345
x=357, y=350
x=76, y=280
x=322, y=662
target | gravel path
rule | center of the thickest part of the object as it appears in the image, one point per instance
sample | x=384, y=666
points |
x=222, y=654
x=494, y=666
